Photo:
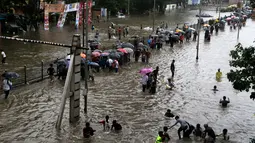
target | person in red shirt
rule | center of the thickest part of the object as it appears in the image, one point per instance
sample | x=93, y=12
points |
x=181, y=38
x=119, y=31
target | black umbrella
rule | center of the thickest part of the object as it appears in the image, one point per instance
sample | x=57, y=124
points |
x=10, y=75
x=127, y=45
x=114, y=55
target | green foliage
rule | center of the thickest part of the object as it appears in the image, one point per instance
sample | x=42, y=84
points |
x=136, y=6
x=252, y=3
x=243, y=60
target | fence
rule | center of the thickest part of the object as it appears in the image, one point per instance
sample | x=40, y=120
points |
x=30, y=74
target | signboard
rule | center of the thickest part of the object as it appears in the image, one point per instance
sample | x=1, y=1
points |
x=193, y=2
x=103, y=12
x=56, y=8
x=89, y=14
x=72, y=7
x=69, y=8
x=42, y=4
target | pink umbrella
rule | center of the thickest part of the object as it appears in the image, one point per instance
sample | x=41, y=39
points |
x=233, y=17
x=244, y=15
x=96, y=54
x=145, y=70
x=122, y=50
x=228, y=18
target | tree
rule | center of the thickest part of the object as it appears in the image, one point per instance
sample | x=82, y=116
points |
x=252, y=3
x=243, y=76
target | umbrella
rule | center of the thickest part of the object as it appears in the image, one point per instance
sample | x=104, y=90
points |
x=192, y=29
x=145, y=46
x=229, y=18
x=129, y=50
x=244, y=15
x=83, y=55
x=100, y=51
x=154, y=35
x=145, y=70
x=120, y=53
x=127, y=45
x=140, y=44
x=232, y=16
x=122, y=50
x=104, y=54
x=206, y=25
x=10, y=75
x=114, y=55
x=93, y=64
x=135, y=36
x=178, y=30
x=110, y=51
x=168, y=32
x=96, y=54
x=62, y=62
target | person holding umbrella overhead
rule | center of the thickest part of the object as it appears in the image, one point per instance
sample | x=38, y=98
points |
x=7, y=85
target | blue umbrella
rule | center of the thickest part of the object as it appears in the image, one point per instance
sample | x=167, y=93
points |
x=93, y=64
x=10, y=75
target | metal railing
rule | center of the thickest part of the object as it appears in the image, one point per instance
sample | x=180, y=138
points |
x=34, y=73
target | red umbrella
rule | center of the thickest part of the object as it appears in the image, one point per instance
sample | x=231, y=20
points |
x=96, y=54
x=122, y=50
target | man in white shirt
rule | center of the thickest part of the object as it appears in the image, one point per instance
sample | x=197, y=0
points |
x=183, y=123
x=3, y=56
x=144, y=81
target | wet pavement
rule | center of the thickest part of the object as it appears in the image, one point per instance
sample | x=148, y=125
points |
x=30, y=113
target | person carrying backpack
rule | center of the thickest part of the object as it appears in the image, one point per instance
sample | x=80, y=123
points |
x=7, y=85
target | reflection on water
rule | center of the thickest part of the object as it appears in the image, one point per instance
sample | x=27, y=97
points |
x=30, y=113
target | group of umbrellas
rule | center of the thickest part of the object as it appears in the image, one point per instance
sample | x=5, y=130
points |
x=235, y=17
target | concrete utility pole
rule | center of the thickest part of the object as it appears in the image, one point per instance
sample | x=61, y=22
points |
x=128, y=7
x=154, y=10
x=86, y=62
x=72, y=85
x=198, y=30
x=238, y=32
x=220, y=8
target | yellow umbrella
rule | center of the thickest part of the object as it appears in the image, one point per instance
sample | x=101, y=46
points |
x=216, y=20
x=178, y=30
x=206, y=25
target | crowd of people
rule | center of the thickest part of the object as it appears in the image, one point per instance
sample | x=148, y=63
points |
x=149, y=80
x=88, y=131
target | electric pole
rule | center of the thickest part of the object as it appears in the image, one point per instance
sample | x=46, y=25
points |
x=154, y=8
x=198, y=30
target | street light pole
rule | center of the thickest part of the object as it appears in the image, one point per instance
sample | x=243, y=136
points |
x=198, y=30
x=154, y=7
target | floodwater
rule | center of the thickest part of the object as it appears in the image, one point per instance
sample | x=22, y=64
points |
x=30, y=114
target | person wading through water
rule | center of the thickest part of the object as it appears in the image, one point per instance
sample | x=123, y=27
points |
x=172, y=68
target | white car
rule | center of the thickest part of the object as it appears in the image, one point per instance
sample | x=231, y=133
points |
x=121, y=15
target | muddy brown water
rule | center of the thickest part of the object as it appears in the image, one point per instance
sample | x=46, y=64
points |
x=30, y=113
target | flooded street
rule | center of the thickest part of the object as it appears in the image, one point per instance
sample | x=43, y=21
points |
x=30, y=114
